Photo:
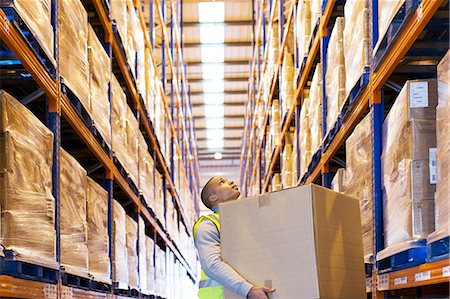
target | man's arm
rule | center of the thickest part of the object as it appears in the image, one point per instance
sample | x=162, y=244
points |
x=207, y=242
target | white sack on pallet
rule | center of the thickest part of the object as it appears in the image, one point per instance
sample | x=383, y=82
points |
x=118, y=13
x=73, y=184
x=335, y=74
x=409, y=132
x=315, y=109
x=97, y=219
x=142, y=257
x=73, y=53
x=358, y=177
x=99, y=78
x=387, y=9
x=303, y=28
x=146, y=173
x=356, y=41
x=132, y=256
x=120, y=254
x=37, y=16
x=26, y=201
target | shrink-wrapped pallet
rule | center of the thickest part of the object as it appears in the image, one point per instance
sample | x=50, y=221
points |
x=120, y=254
x=132, y=256
x=159, y=198
x=97, y=219
x=132, y=132
x=73, y=224
x=315, y=109
x=358, y=177
x=356, y=41
x=146, y=172
x=26, y=201
x=287, y=84
x=316, y=12
x=304, y=138
x=130, y=48
x=442, y=197
x=303, y=28
x=99, y=78
x=335, y=74
x=149, y=100
x=338, y=182
x=73, y=53
x=37, y=16
x=387, y=9
x=273, y=50
x=142, y=257
x=276, y=182
x=275, y=124
x=150, y=255
x=160, y=275
x=287, y=171
x=118, y=11
x=409, y=132
x=139, y=41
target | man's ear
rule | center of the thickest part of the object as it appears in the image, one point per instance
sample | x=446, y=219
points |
x=213, y=200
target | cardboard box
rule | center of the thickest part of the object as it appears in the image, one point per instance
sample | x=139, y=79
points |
x=305, y=242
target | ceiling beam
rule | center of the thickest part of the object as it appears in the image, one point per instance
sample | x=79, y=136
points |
x=240, y=62
x=200, y=92
x=225, y=44
x=226, y=23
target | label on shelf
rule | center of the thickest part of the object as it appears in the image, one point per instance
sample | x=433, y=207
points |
x=422, y=276
x=368, y=284
x=418, y=94
x=383, y=282
x=446, y=271
x=432, y=152
x=401, y=280
x=50, y=291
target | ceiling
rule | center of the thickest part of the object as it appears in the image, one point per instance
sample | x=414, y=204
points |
x=217, y=49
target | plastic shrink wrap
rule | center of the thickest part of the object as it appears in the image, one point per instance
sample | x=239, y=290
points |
x=316, y=12
x=142, y=257
x=304, y=138
x=287, y=172
x=273, y=50
x=99, y=78
x=160, y=264
x=139, y=42
x=130, y=48
x=120, y=254
x=409, y=132
x=73, y=184
x=150, y=254
x=335, y=74
x=338, y=182
x=73, y=53
x=118, y=11
x=287, y=84
x=149, y=100
x=132, y=132
x=146, y=170
x=303, y=28
x=275, y=124
x=387, y=9
x=356, y=41
x=159, y=199
x=442, y=196
x=358, y=177
x=315, y=110
x=37, y=16
x=132, y=256
x=97, y=219
x=26, y=201
x=276, y=182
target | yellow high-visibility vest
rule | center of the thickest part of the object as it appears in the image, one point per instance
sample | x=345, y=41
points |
x=209, y=288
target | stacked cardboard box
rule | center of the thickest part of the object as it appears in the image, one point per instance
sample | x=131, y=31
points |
x=359, y=179
x=303, y=28
x=73, y=53
x=315, y=110
x=132, y=256
x=73, y=184
x=99, y=78
x=335, y=74
x=307, y=254
x=26, y=201
x=387, y=9
x=97, y=220
x=37, y=16
x=409, y=132
x=120, y=255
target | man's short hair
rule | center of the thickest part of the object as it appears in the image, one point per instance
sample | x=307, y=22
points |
x=206, y=193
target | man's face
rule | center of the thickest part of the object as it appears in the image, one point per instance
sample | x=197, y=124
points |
x=224, y=189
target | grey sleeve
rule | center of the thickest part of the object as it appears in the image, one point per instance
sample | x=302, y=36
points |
x=207, y=242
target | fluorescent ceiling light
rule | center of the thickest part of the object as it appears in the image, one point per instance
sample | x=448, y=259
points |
x=218, y=156
x=214, y=86
x=211, y=12
x=213, y=53
x=212, y=34
x=212, y=134
x=214, y=111
x=213, y=98
x=215, y=143
x=215, y=123
x=213, y=70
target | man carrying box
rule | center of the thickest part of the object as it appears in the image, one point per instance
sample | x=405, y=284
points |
x=217, y=274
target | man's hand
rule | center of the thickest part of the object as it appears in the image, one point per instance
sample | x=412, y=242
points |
x=259, y=292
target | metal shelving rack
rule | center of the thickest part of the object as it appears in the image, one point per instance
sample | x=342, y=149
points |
x=371, y=98
x=60, y=110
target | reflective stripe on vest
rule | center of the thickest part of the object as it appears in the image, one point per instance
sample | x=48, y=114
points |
x=209, y=288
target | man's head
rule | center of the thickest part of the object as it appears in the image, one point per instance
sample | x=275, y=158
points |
x=219, y=189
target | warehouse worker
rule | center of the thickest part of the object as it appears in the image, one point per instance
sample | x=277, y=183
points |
x=217, y=274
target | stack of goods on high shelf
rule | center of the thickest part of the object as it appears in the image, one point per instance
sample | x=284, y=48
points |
x=160, y=272
x=287, y=91
x=304, y=135
x=442, y=195
x=40, y=27
x=275, y=125
x=131, y=227
x=358, y=178
x=409, y=133
x=338, y=183
x=276, y=182
x=347, y=56
x=159, y=199
x=120, y=255
x=274, y=41
x=125, y=128
x=26, y=200
x=288, y=173
x=142, y=257
x=146, y=173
